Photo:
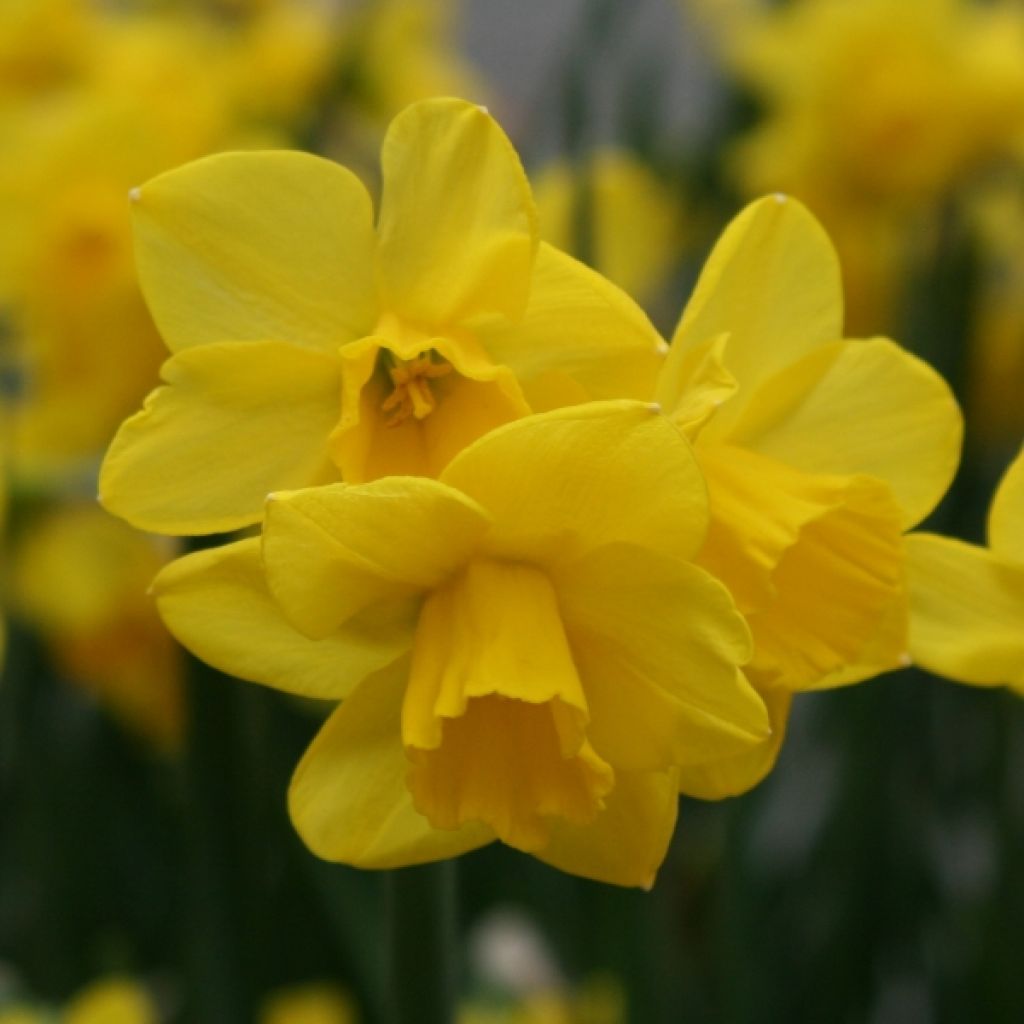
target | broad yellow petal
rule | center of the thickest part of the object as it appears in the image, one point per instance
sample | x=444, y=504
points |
x=348, y=798
x=216, y=604
x=458, y=229
x=580, y=327
x=772, y=284
x=627, y=842
x=1006, y=517
x=966, y=611
x=734, y=775
x=658, y=643
x=861, y=407
x=332, y=551
x=565, y=482
x=232, y=423
x=274, y=246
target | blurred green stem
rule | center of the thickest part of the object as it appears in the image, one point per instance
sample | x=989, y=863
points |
x=422, y=944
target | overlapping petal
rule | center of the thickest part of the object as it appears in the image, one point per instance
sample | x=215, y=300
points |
x=579, y=331
x=733, y=775
x=216, y=601
x=457, y=227
x=658, y=642
x=967, y=611
x=348, y=798
x=332, y=551
x=772, y=284
x=861, y=407
x=232, y=423
x=628, y=840
x=569, y=482
x=272, y=246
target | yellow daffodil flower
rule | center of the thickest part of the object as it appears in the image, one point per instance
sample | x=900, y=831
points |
x=818, y=454
x=308, y=1004
x=523, y=648
x=311, y=346
x=113, y=1001
x=636, y=223
x=967, y=601
x=80, y=578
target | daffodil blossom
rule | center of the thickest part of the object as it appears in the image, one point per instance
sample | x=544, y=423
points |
x=818, y=453
x=311, y=345
x=523, y=647
x=967, y=601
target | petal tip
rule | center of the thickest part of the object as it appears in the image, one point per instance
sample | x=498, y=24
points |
x=781, y=197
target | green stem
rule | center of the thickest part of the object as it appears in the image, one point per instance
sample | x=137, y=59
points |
x=422, y=944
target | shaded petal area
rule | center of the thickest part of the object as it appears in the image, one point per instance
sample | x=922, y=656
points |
x=562, y=483
x=457, y=228
x=254, y=247
x=216, y=603
x=233, y=422
x=814, y=562
x=967, y=612
x=627, y=842
x=580, y=339
x=332, y=551
x=734, y=775
x=658, y=643
x=348, y=798
x=861, y=407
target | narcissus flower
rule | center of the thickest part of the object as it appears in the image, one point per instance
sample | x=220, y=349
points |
x=524, y=649
x=818, y=454
x=967, y=601
x=311, y=345
x=314, y=1003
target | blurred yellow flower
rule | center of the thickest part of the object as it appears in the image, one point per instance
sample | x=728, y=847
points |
x=83, y=339
x=818, y=454
x=112, y=1001
x=636, y=227
x=309, y=344
x=316, y=1003
x=523, y=648
x=967, y=601
x=81, y=579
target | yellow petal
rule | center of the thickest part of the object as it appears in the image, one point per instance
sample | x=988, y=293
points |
x=861, y=407
x=658, y=643
x=698, y=386
x=814, y=562
x=734, y=775
x=332, y=551
x=1006, y=517
x=627, y=842
x=216, y=604
x=232, y=423
x=772, y=283
x=458, y=229
x=564, y=482
x=967, y=612
x=348, y=798
x=578, y=326
x=274, y=246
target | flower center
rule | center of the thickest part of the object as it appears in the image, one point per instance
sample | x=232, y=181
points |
x=412, y=395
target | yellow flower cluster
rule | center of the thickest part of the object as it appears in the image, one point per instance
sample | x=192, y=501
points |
x=555, y=571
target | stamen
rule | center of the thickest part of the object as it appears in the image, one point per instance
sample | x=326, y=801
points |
x=412, y=395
